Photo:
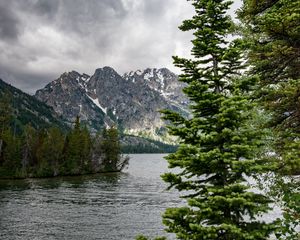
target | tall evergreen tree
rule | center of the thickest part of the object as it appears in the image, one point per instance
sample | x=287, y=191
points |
x=86, y=149
x=50, y=153
x=217, y=146
x=111, y=149
x=272, y=30
x=73, y=150
x=10, y=166
x=30, y=139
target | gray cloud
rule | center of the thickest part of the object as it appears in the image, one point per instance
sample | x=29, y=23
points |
x=9, y=23
x=25, y=80
x=46, y=8
x=54, y=36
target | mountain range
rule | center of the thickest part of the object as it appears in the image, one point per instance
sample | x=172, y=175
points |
x=131, y=101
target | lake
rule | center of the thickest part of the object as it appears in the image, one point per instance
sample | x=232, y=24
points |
x=102, y=206
x=117, y=206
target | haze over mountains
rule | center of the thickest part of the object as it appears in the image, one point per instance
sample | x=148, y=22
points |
x=106, y=98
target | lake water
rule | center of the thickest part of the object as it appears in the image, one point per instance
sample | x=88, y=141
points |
x=115, y=206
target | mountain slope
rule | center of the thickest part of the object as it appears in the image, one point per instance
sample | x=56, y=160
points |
x=68, y=97
x=29, y=110
x=131, y=101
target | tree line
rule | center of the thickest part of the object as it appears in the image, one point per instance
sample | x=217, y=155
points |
x=53, y=152
x=146, y=145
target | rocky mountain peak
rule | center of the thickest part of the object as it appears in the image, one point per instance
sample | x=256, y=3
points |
x=105, y=72
x=162, y=81
x=151, y=75
x=132, y=101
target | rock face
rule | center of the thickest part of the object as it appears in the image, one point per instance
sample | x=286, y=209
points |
x=68, y=97
x=132, y=101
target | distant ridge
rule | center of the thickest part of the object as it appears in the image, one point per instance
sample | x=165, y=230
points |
x=29, y=110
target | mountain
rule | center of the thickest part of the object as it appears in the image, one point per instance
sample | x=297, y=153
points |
x=28, y=110
x=131, y=101
x=68, y=97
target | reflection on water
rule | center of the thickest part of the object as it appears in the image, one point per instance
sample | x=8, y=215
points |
x=101, y=206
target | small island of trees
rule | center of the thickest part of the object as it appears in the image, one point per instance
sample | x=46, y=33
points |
x=53, y=152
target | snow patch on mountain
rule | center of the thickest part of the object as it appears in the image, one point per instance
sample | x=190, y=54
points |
x=160, y=78
x=85, y=77
x=149, y=75
x=97, y=103
x=132, y=100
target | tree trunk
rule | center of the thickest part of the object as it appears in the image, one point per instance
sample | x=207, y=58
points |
x=215, y=68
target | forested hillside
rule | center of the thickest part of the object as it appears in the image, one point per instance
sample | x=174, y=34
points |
x=20, y=109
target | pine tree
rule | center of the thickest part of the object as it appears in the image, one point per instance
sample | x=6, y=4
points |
x=30, y=139
x=272, y=30
x=111, y=149
x=12, y=155
x=86, y=150
x=216, y=154
x=73, y=150
x=50, y=153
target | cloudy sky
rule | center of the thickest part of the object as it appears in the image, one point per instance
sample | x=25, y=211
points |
x=40, y=39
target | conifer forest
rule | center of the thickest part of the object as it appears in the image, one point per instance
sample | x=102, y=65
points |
x=53, y=152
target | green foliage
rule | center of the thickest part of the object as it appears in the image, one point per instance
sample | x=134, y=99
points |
x=290, y=190
x=51, y=152
x=217, y=145
x=111, y=150
x=77, y=150
x=11, y=155
x=6, y=111
x=30, y=143
x=146, y=145
x=272, y=32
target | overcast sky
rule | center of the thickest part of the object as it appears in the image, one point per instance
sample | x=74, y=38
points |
x=41, y=39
